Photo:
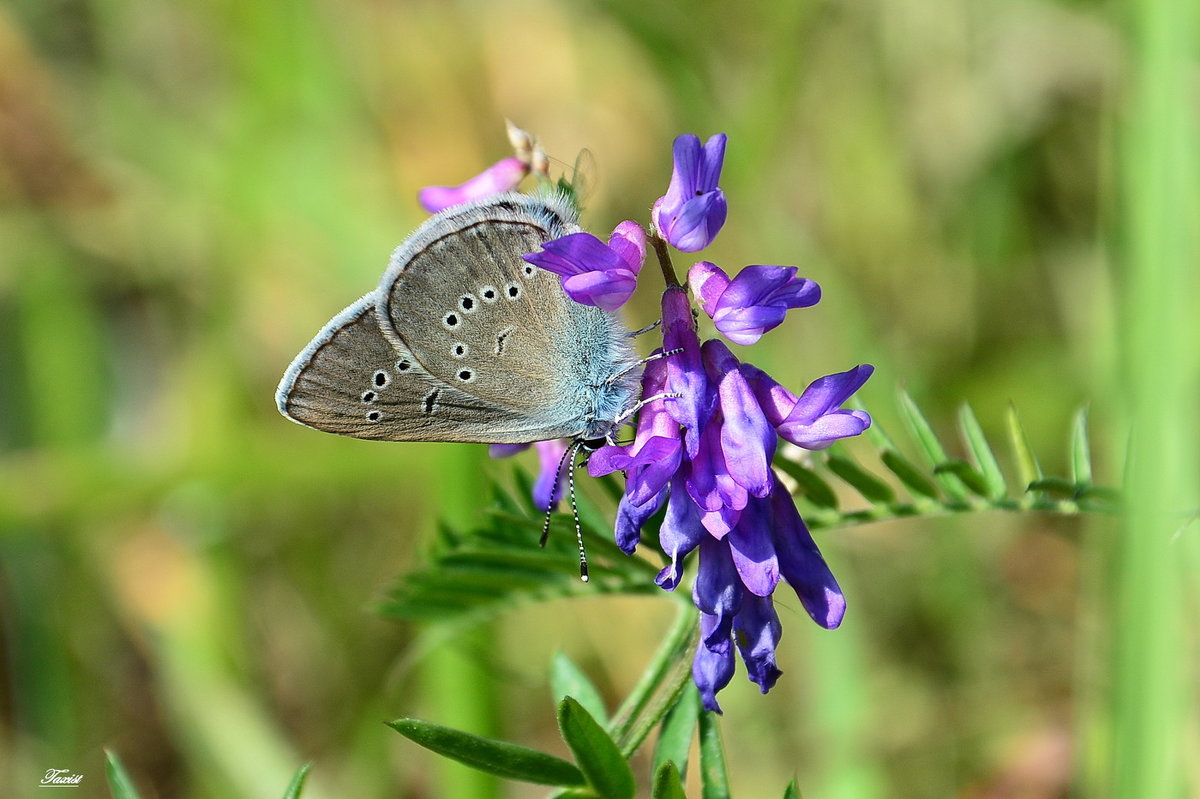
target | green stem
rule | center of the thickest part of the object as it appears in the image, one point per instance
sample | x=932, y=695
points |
x=660, y=685
x=664, y=258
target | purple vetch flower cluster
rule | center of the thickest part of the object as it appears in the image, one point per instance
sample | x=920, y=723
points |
x=706, y=437
x=709, y=424
x=707, y=455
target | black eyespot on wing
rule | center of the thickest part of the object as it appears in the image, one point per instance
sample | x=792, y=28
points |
x=381, y=378
x=403, y=366
x=431, y=400
x=450, y=320
x=368, y=396
x=374, y=416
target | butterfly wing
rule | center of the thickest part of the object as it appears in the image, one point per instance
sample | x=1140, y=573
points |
x=458, y=296
x=353, y=381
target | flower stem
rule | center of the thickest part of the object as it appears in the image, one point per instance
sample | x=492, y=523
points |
x=660, y=685
x=664, y=258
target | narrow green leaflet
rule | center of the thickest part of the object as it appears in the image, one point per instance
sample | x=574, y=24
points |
x=931, y=446
x=495, y=757
x=601, y=762
x=668, y=784
x=567, y=679
x=981, y=451
x=714, y=780
x=967, y=474
x=297, y=784
x=1028, y=468
x=791, y=791
x=812, y=486
x=675, y=735
x=1081, y=451
x=910, y=476
x=871, y=487
x=118, y=779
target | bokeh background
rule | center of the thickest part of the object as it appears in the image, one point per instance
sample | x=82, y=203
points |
x=189, y=190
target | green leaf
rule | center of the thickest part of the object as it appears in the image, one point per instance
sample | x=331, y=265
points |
x=791, y=791
x=1028, y=467
x=567, y=679
x=495, y=757
x=297, y=784
x=714, y=781
x=668, y=783
x=1081, y=453
x=675, y=735
x=871, y=487
x=981, y=451
x=1055, y=486
x=909, y=475
x=596, y=753
x=815, y=489
x=931, y=446
x=118, y=779
x=966, y=473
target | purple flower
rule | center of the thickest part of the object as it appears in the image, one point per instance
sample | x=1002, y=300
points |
x=550, y=458
x=685, y=370
x=707, y=455
x=691, y=213
x=592, y=272
x=754, y=301
x=815, y=419
x=504, y=175
x=656, y=451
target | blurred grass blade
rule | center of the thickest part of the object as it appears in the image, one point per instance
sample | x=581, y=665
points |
x=714, y=780
x=1081, y=452
x=791, y=791
x=931, y=446
x=495, y=757
x=871, y=487
x=981, y=452
x=567, y=679
x=675, y=736
x=297, y=784
x=668, y=783
x=909, y=475
x=118, y=779
x=811, y=485
x=601, y=762
x=1028, y=469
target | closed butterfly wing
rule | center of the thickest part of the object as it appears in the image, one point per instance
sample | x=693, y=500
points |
x=353, y=381
x=460, y=299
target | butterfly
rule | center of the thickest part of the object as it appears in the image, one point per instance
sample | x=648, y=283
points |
x=462, y=340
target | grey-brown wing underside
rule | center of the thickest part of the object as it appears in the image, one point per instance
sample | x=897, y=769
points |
x=353, y=381
x=459, y=297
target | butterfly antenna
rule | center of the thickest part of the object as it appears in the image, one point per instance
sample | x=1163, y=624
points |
x=583, y=567
x=553, y=496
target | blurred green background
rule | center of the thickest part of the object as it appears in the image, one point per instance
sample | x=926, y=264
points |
x=189, y=190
